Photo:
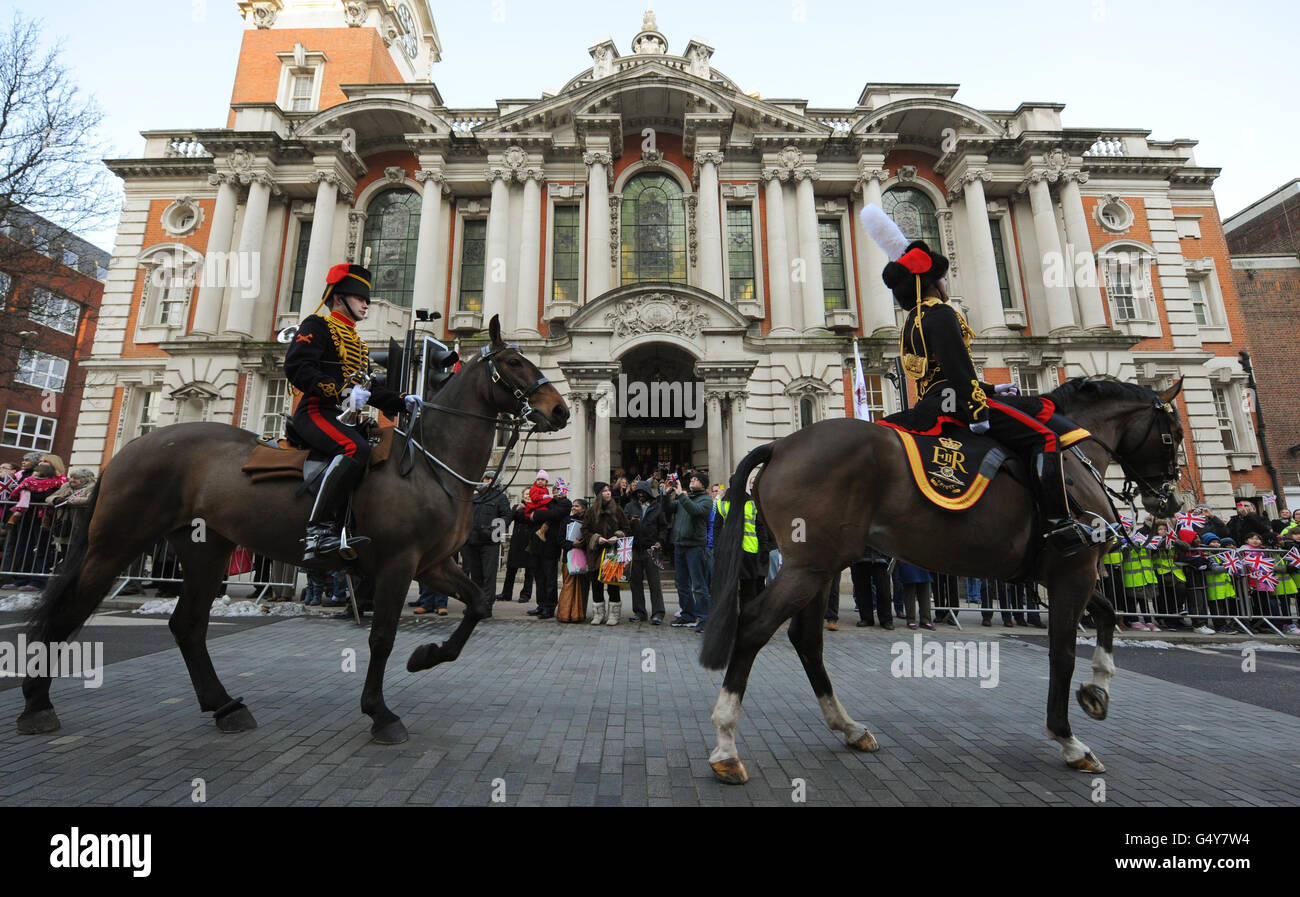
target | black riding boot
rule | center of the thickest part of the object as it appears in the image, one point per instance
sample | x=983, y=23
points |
x=1060, y=529
x=323, y=526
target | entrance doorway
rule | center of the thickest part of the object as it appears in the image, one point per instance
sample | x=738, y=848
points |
x=660, y=435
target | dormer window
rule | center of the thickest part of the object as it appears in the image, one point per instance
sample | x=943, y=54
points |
x=300, y=79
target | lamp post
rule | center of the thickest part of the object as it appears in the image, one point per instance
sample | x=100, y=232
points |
x=1259, y=429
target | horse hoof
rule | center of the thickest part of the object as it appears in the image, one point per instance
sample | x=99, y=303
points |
x=730, y=771
x=1094, y=700
x=866, y=743
x=237, y=720
x=38, y=723
x=424, y=657
x=1087, y=763
x=389, y=733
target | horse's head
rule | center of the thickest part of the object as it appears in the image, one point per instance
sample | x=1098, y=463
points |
x=1147, y=447
x=517, y=384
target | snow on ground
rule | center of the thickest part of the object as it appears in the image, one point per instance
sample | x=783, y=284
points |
x=1131, y=643
x=19, y=602
x=226, y=607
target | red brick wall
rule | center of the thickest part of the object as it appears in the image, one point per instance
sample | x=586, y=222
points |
x=82, y=289
x=1275, y=231
x=1269, y=300
x=352, y=56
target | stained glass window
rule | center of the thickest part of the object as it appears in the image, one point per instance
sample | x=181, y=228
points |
x=653, y=244
x=391, y=234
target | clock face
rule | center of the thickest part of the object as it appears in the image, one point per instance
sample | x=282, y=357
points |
x=409, y=43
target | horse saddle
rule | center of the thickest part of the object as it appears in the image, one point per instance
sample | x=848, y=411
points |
x=282, y=460
x=954, y=467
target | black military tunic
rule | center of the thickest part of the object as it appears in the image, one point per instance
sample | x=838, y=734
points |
x=320, y=363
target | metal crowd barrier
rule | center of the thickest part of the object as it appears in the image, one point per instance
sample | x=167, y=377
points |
x=1169, y=603
x=35, y=544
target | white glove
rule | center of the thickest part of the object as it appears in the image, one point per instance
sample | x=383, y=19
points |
x=1006, y=389
x=412, y=402
x=980, y=427
x=356, y=398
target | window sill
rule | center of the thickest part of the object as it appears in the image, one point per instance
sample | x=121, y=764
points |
x=1143, y=329
x=1242, y=461
x=841, y=319
x=561, y=311
x=1212, y=334
x=466, y=320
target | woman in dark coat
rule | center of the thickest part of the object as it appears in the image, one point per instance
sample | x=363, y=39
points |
x=518, y=557
x=604, y=524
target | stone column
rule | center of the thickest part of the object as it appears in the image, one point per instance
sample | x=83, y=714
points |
x=814, y=302
x=987, y=298
x=427, y=242
x=530, y=243
x=877, y=301
x=778, y=256
x=604, y=402
x=1091, y=307
x=498, y=233
x=244, y=301
x=322, y=234
x=1060, y=316
x=710, y=222
x=578, y=442
x=207, y=311
x=737, y=430
x=598, y=167
x=717, y=451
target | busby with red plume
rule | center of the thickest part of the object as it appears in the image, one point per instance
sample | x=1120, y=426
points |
x=351, y=280
x=913, y=266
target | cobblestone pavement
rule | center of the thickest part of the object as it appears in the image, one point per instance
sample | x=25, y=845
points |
x=543, y=714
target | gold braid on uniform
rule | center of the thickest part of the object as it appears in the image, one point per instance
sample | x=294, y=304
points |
x=978, y=400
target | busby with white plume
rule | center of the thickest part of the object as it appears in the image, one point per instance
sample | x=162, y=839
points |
x=912, y=266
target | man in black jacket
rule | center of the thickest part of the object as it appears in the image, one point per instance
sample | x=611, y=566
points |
x=482, y=551
x=547, y=552
x=1246, y=521
x=649, y=529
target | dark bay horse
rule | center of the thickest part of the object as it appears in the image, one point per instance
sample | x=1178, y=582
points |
x=829, y=491
x=184, y=483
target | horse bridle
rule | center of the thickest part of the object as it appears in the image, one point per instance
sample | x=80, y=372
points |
x=1164, y=489
x=514, y=423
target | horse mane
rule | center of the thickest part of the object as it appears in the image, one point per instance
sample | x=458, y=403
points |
x=1079, y=391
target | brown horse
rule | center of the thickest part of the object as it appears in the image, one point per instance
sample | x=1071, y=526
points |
x=829, y=491
x=184, y=483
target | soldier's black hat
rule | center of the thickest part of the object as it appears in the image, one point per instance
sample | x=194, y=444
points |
x=351, y=280
x=916, y=270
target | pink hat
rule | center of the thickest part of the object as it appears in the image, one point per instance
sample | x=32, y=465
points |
x=542, y=475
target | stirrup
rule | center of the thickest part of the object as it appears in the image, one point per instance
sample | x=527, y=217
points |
x=1068, y=536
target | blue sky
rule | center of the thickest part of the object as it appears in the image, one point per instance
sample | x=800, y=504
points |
x=1223, y=74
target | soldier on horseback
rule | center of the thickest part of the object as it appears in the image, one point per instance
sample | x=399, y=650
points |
x=935, y=349
x=329, y=365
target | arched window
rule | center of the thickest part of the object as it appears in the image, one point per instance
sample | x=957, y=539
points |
x=653, y=238
x=392, y=231
x=913, y=212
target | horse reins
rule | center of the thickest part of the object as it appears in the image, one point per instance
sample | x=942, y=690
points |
x=514, y=423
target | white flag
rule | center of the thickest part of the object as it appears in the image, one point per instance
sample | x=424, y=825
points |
x=861, y=407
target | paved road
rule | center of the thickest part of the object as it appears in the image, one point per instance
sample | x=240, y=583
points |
x=542, y=714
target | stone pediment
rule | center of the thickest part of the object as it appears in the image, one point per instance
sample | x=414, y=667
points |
x=673, y=310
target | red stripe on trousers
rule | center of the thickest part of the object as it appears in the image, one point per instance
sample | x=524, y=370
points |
x=1049, y=438
x=350, y=447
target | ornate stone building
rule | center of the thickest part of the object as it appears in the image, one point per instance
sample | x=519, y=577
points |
x=649, y=221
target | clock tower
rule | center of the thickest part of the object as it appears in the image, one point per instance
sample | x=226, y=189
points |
x=297, y=53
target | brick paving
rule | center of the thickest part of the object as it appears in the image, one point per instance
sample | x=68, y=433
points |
x=541, y=714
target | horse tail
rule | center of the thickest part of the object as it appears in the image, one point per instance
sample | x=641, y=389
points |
x=63, y=584
x=724, y=590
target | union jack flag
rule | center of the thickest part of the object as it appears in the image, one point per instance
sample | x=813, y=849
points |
x=624, y=555
x=1292, y=557
x=1258, y=562
x=1189, y=520
x=1231, y=560
x=1126, y=521
x=561, y=485
x=1142, y=541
